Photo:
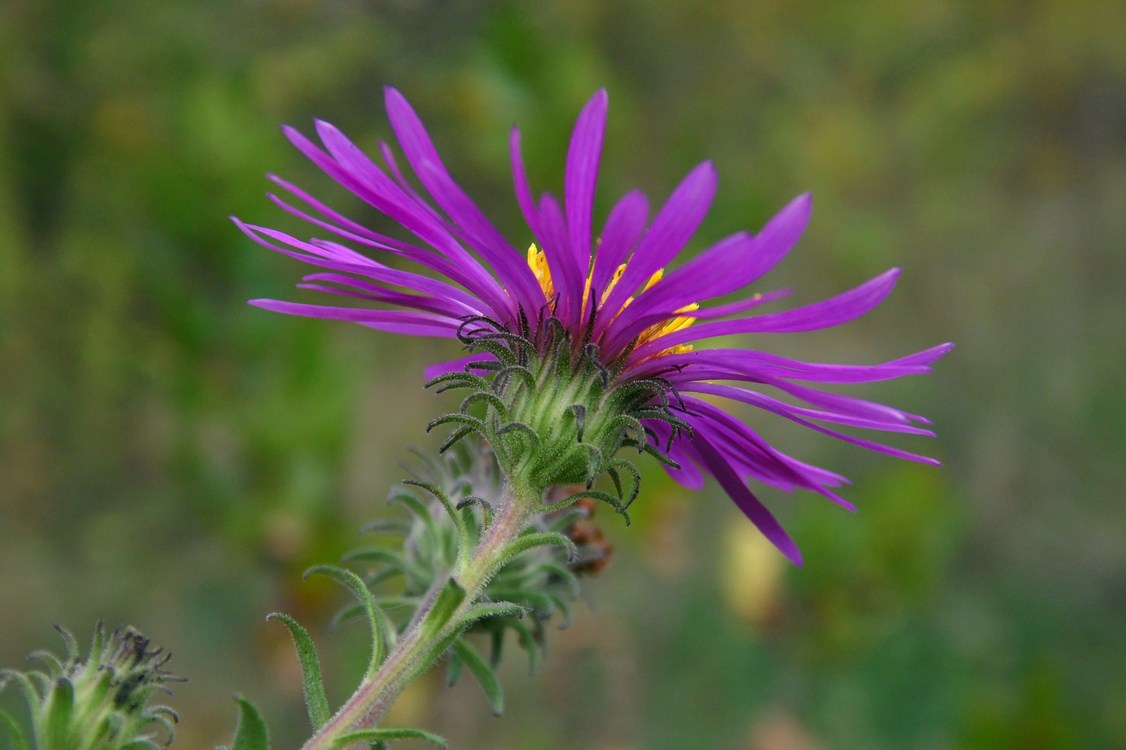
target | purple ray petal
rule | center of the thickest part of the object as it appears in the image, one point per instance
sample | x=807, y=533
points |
x=455, y=365
x=361, y=176
x=339, y=258
x=688, y=475
x=435, y=325
x=749, y=364
x=352, y=287
x=727, y=266
x=745, y=500
x=754, y=458
x=581, y=176
x=524, y=196
x=754, y=454
x=670, y=231
x=755, y=300
x=789, y=411
x=623, y=228
x=714, y=273
x=427, y=164
x=776, y=407
x=564, y=274
x=825, y=314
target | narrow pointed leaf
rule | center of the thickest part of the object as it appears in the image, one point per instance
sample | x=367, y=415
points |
x=382, y=735
x=18, y=740
x=538, y=539
x=453, y=669
x=491, y=609
x=251, y=732
x=528, y=641
x=311, y=679
x=359, y=589
x=449, y=599
x=60, y=708
x=31, y=695
x=484, y=674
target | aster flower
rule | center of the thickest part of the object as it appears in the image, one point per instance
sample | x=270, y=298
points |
x=591, y=309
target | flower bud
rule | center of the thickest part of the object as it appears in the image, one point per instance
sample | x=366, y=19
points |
x=100, y=702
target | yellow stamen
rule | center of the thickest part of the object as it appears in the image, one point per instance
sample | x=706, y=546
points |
x=538, y=263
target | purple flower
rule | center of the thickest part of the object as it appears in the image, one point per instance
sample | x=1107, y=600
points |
x=605, y=288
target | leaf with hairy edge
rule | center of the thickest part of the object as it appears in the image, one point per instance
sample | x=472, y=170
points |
x=382, y=735
x=484, y=674
x=459, y=522
x=251, y=733
x=359, y=589
x=59, y=709
x=417, y=508
x=528, y=641
x=311, y=679
x=449, y=599
x=31, y=695
x=538, y=539
x=18, y=740
x=491, y=609
x=453, y=668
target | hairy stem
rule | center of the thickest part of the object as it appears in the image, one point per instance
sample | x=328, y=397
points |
x=414, y=651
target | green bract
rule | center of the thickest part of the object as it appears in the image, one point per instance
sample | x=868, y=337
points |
x=552, y=412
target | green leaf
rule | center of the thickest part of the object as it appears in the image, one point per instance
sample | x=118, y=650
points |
x=542, y=604
x=19, y=741
x=59, y=709
x=483, y=672
x=382, y=735
x=491, y=609
x=31, y=695
x=378, y=555
x=488, y=397
x=564, y=575
x=359, y=589
x=436, y=651
x=455, y=515
x=69, y=640
x=449, y=599
x=418, y=509
x=537, y=539
x=165, y=718
x=311, y=679
x=251, y=733
x=141, y=745
x=453, y=669
x=528, y=641
x=54, y=667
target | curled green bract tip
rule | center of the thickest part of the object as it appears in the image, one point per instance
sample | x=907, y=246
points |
x=551, y=411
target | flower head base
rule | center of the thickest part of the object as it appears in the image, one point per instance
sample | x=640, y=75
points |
x=100, y=702
x=553, y=413
x=585, y=344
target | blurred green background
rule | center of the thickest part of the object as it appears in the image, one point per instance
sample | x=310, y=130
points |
x=173, y=458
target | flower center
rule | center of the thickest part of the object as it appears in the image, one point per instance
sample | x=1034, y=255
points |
x=538, y=263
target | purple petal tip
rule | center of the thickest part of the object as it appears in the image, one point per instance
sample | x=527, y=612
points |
x=791, y=551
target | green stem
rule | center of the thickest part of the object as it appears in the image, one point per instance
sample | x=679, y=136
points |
x=374, y=697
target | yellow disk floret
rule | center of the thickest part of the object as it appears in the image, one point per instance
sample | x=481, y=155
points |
x=538, y=263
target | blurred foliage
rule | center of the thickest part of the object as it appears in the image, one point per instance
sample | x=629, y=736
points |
x=171, y=458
